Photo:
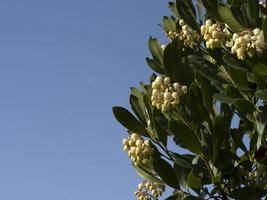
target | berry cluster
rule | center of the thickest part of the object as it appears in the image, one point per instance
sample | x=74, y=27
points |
x=172, y=35
x=258, y=178
x=187, y=35
x=166, y=95
x=215, y=34
x=263, y=3
x=139, y=150
x=248, y=43
x=148, y=189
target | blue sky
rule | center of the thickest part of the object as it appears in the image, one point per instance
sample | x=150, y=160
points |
x=64, y=64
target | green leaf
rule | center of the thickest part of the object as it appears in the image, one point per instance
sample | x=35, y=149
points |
x=172, y=63
x=186, y=136
x=128, y=120
x=237, y=137
x=264, y=26
x=156, y=50
x=260, y=68
x=230, y=61
x=239, y=77
x=228, y=17
x=152, y=63
x=206, y=89
x=193, y=181
x=244, y=106
x=145, y=174
x=248, y=193
x=220, y=133
x=169, y=24
x=159, y=123
x=165, y=172
x=138, y=108
x=212, y=8
x=262, y=94
x=253, y=8
x=223, y=98
x=172, y=7
x=232, y=92
x=187, y=13
x=191, y=198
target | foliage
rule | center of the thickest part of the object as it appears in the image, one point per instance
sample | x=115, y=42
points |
x=224, y=83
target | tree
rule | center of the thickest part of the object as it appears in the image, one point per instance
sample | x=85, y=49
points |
x=208, y=94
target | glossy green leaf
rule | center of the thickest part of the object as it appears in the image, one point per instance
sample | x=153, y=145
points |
x=165, y=172
x=191, y=198
x=187, y=13
x=138, y=108
x=228, y=17
x=193, y=181
x=172, y=7
x=248, y=193
x=169, y=24
x=220, y=133
x=264, y=27
x=223, y=98
x=260, y=68
x=262, y=94
x=128, y=120
x=212, y=8
x=244, y=106
x=253, y=8
x=186, y=136
x=172, y=60
x=156, y=50
x=239, y=77
x=154, y=65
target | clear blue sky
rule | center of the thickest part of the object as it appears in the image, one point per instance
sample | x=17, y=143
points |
x=64, y=64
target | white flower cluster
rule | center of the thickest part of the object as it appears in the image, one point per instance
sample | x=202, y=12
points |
x=139, y=150
x=164, y=94
x=148, y=189
x=187, y=35
x=258, y=178
x=263, y=3
x=215, y=34
x=172, y=34
x=248, y=43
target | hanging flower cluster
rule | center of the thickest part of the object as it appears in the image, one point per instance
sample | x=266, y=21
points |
x=215, y=34
x=263, y=3
x=138, y=149
x=172, y=35
x=248, y=43
x=258, y=178
x=166, y=95
x=188, y=36
x=148, y=189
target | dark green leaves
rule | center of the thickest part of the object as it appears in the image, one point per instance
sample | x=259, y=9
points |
x=261, y=94
x=193, y=181
x=169, y=24
x=156, y=50
x=264, y=26
x=228, y=17
x=128, y=120
x=220, y=133
x=244, y=106
x=172, y=59
x=187, y=13
x=253, y=8
x=185, y=136
x=165, y=172
x=260, y=68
